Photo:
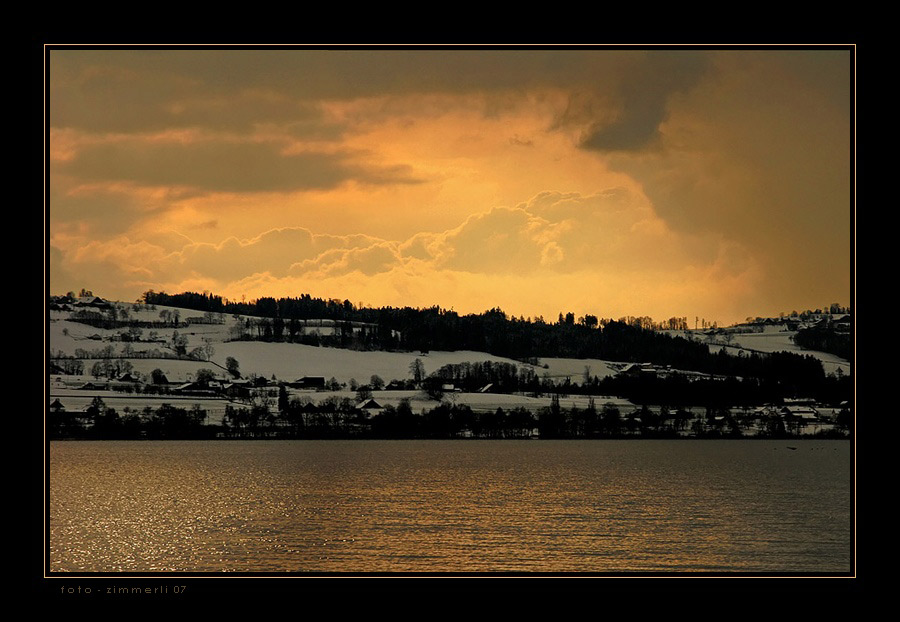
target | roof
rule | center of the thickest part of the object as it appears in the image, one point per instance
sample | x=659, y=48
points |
x=801, y=412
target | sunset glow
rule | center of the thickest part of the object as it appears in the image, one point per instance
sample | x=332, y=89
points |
x=710, y=183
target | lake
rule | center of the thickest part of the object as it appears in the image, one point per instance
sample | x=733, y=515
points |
x=610, y=506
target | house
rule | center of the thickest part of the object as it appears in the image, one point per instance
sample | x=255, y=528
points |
x=639, y=370
x=800, y=414
x=160, y=378
x=57, y=406
x=236, y=390
x=193, y=388
x=842, y=325
x=799, y=401
x=371, y=408
x=308, y=382
x=127, y=377
x=91, y=386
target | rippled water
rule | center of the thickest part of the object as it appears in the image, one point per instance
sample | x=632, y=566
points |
x=455, y=506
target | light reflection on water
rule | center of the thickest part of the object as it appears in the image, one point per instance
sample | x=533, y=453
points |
x=454, y=506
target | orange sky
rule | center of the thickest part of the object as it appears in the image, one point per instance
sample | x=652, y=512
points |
x=711, y=183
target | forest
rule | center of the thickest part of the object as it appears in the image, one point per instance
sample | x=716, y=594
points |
x=493, y=331
x=342, y=419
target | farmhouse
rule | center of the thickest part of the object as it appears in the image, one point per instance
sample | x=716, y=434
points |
x=236, y=390
x=803, y=414
x=308, y=382
x=93, y=301
x=371, y=408
x=91, y=386
x=193, y=388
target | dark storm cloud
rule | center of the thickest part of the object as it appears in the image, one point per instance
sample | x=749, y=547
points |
x=146, y=90
x=121, y=91
x=223, y=166
x=645, y=90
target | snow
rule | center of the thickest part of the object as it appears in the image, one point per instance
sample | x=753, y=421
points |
x=773, y=338
x=558, y=368
x=777, y=341
x=289, y=361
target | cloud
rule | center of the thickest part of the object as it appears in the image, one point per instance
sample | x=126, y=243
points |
x=728, y=167
x=102, y=210
x=501, y=240
x=624, y=110
x=222, y=166
x=371, y=260
x=759, y=153
x=149, y=90
x=601, y=253
x=274, y=251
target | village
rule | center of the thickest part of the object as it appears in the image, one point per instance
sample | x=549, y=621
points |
x=103, y=365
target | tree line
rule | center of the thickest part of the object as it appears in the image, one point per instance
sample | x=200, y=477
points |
x=340, y=418
x=825, y=338
x=99, y=422
x=494, y=332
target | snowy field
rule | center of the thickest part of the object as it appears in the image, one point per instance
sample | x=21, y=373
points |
x=772, y=339
x=286, y=361
x=289, y=362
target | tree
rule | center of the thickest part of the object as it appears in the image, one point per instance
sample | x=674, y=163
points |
x=205, y=376
x=283, y=402
x=376, y=382
x=417, y=370
x=179, y=343
x=233, y=367
x=844, y=420
x=98, y=369
x=157, y=376
x=610, y=421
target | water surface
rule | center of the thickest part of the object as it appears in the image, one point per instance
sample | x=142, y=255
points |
x=451, y=506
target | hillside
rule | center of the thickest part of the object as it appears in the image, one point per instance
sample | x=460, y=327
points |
x=286, y=361
x=233, y=336
x=138, y=360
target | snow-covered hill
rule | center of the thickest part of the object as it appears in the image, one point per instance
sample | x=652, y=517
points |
x=286, y=361
x=774, y=338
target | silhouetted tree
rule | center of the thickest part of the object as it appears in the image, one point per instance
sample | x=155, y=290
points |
x=233, y=367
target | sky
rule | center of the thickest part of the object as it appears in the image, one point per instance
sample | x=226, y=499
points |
x=710, y=183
